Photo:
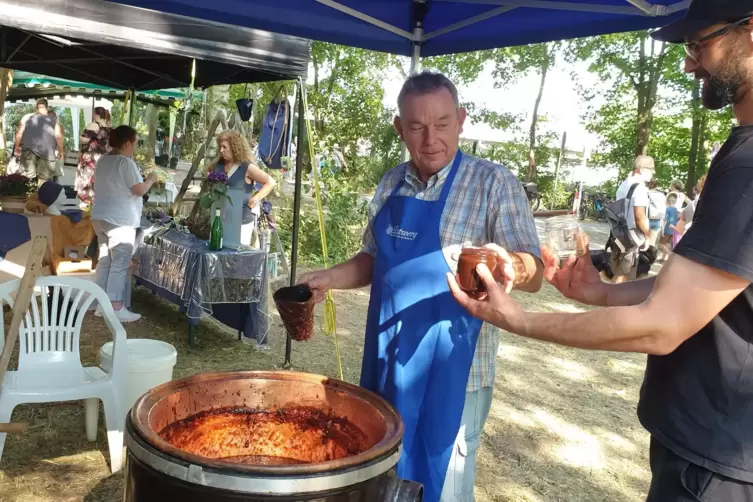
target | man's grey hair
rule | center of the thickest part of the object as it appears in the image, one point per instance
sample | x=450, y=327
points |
x=424, y=83
x=644, y=162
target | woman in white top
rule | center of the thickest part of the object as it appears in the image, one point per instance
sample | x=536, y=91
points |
x=116, y=214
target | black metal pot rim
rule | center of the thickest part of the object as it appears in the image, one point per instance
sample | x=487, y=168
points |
x=255, y=484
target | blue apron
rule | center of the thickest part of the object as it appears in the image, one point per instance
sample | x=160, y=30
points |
x=419, y=341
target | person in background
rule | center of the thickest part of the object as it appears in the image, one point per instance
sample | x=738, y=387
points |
x=625, y=264
x=687, y=214
x=429, y=358
x=38, y=138
x=116, y=214
x=60, y=157
x=94, y=141
x=657, y=209
x=695, y=318
x=670, y=228
x=236, y=162
x=678, y=188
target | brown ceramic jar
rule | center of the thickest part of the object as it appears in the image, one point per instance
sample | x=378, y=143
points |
x=468, y=279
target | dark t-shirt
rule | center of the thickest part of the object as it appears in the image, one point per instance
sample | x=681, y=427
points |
x=698, y=401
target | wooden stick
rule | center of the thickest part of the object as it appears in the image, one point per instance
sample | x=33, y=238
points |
x=218, y=121
x=549, y=214
x=13, y=428
x=23, y=300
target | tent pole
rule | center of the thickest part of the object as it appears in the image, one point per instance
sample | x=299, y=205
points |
x=415, y=67
x=296, y=203
x=420, y=8
x=131, y=106
x=415, y=60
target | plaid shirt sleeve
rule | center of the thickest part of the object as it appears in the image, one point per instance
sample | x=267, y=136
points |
x=388, y=183
x=510, y=220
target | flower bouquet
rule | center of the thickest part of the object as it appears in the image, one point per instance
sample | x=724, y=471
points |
x=215, y=189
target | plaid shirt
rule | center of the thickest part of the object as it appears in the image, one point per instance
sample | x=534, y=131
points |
x=486, y=204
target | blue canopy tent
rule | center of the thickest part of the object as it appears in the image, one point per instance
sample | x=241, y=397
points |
x=421, y=28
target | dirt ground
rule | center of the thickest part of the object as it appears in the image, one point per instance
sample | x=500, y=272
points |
x=562, y=425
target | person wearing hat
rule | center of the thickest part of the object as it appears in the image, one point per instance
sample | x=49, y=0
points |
x=695, y=318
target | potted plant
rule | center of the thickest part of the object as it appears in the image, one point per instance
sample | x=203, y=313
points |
x=213, y=191
x=14, y=191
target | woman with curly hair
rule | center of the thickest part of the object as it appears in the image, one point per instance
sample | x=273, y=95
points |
x=236, y=162
x=93, y=145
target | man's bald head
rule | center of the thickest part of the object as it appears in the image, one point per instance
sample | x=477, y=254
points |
x=644, y=166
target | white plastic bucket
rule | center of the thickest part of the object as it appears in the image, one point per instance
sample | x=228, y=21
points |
x=150, y=363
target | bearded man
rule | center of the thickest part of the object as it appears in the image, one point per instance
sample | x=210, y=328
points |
x=695, y=319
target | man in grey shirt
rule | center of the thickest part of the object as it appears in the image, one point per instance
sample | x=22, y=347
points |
x=39, y=143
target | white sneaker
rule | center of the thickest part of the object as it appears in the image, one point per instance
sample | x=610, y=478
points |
x=125, y=315
x=98, y=311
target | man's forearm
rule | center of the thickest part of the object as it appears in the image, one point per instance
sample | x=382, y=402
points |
x=529, y=272
x=622, y=329
x=354, y=273
x=627, y=293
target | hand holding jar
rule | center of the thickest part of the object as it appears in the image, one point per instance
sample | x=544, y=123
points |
x=495, y=258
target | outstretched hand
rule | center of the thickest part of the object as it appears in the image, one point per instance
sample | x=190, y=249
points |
x=498, y=307
x=576, y=278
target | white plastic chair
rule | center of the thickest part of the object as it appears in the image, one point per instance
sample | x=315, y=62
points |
x=49, y=363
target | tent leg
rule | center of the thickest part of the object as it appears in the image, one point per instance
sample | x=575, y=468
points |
x=415, y=60
x=131, y=106
x=296, y=207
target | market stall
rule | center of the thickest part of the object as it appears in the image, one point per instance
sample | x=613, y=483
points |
x=96, y=48
x=229, y=285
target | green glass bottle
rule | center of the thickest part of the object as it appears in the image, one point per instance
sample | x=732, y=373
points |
x=215, y=235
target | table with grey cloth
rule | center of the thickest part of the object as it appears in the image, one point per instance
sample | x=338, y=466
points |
x=231, y=286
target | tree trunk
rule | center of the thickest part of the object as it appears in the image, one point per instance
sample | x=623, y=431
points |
x=695, y=141
x=702, y=164
x=151, y=124
x=6, y=80
x=649, y=75
x=531, y=174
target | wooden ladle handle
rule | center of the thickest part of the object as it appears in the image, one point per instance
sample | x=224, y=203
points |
x=13, y=427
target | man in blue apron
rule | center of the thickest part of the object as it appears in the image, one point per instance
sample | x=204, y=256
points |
x=695, y=318
x=423, y=352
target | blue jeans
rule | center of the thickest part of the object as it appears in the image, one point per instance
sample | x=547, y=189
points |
x=461, y=473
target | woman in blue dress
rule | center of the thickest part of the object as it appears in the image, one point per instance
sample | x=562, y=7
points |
x=236, y=162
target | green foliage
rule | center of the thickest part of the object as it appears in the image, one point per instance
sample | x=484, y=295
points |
x=345, y=218
x=549, y=198
x=13, y=115
x=4, y=157
x=463, y=68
